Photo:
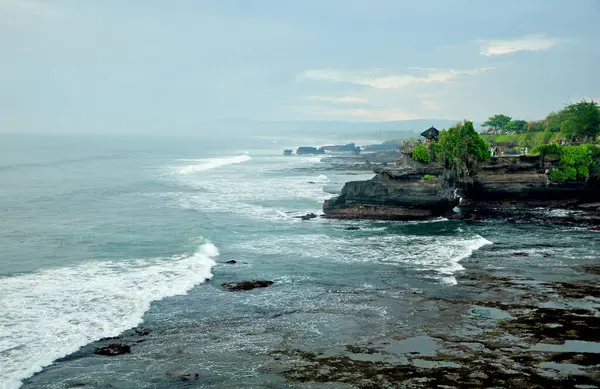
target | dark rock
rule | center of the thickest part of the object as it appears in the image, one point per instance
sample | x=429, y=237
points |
x=591, y=269
x=142, y=331
x=308, y=216
x=394, y=194
x=231, y=262
x=245, y=285
x=360, y=350
x=112, y=350
x=352, y=228
x=548, y=324
x=520, y=254
x=188, y=376
x=502, y=185
x=382, y=146
x=350, y=147
x=76, y=384
x=309, y=150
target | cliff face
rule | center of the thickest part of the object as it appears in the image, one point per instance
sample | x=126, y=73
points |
x=524, y=179
x=395, y=194
x=403, y=193
x=504, y=178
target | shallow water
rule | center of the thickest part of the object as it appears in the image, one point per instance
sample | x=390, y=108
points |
x=101, y=234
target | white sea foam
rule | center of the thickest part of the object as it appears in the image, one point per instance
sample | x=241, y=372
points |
x=445, y=258
x=436, y=220
x=256, y=197
x=213, y=163
x=52, y=313
x=440, y=255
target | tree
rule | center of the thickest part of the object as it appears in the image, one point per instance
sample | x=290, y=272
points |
x=497, y=122
x=535, y=126
x=461, y=149
x=554, y=121
x=581, y=120
x=576, y=162
x=517, y=125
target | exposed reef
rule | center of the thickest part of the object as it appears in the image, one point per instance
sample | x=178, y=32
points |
x=496, y=342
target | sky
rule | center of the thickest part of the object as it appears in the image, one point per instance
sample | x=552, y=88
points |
x=159, y=65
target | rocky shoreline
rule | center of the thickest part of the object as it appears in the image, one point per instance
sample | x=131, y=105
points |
x=494, y=331
x=505, y=187
x=520, y=333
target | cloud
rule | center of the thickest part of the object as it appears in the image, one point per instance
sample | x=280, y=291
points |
x=341, y=100
x=367, y=115
x=29, y=8
x=525, y=43
x=431, y=105
x=376, y=79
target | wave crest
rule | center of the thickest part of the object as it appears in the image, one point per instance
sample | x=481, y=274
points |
x=213, y=163
x=70, y=307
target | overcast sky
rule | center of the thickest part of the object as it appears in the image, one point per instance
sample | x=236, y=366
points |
x=89, y=65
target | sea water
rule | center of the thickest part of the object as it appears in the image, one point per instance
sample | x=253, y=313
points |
x=101, y=234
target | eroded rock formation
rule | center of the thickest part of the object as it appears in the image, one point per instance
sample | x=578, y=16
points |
x=415, y=191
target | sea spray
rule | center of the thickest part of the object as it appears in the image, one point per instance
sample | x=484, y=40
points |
x=70, y=307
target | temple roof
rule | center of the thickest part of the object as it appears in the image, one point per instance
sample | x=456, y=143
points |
x=430, y=133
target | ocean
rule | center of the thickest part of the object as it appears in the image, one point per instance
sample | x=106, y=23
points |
x=102, y=234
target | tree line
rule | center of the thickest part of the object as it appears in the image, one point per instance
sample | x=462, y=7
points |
x=575, y=122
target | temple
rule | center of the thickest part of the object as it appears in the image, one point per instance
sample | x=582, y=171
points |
x=431, y=134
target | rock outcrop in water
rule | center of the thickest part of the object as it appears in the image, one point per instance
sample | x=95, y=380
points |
x=411, y=191
x=347, y=148
x=308, y=216
x=115, y=349
x=309, y=150
x=245, y=285
x=415, y=191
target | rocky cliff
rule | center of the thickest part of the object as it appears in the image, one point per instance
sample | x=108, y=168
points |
x=414, y=191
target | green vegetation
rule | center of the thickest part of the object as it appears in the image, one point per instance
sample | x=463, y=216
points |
x=512, y=143
x=516, y=126
x=501, y=138
x=461, y=149
x=576, y=162
x=497, y=122
x=429, y=177
x=421, y=154
x=575, y=122
x=580, y=120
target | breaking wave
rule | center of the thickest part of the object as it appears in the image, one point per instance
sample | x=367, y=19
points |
x=52, y=313
x=213, y=163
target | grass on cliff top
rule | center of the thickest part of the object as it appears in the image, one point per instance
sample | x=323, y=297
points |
x=500, y=138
